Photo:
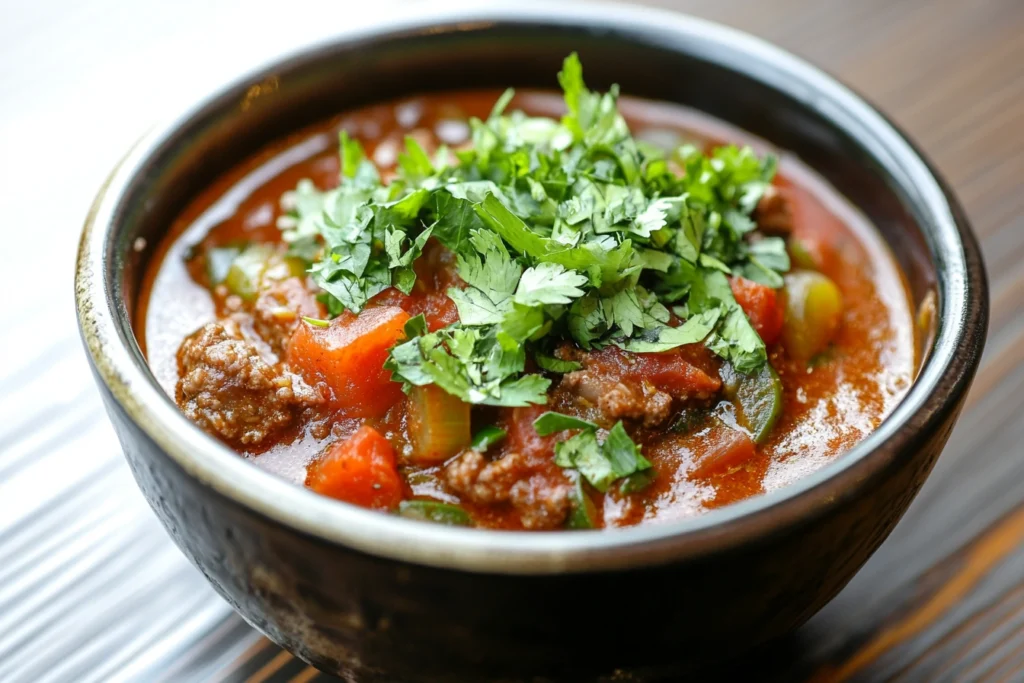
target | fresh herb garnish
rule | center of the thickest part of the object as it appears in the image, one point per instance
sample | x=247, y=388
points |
x=600, y=463
x=551, y=422
x=563, y=230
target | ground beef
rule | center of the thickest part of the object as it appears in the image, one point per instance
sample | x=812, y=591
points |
x=772, y=213
x=483, y=481
x=539, y=495
x=644, y=403
x=543, y=503
x=231, y=391
x=278, y=310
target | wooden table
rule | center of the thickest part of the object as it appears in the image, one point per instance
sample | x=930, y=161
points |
x=943, y=599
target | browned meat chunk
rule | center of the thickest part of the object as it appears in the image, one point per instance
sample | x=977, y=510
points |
x=278, y=310
x=229, y=390
x=540, y=496
x=542, y=503
x=483, y=481
x=772, y=213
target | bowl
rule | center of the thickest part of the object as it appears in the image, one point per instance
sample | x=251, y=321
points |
x=379, y=598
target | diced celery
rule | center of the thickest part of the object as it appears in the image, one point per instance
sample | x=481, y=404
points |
x=438, y=424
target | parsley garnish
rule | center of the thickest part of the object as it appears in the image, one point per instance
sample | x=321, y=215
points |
x=563, y=230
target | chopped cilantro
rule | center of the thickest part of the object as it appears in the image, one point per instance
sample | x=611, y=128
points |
x=551, y=422
x=552, y=364
x=564, y=230
x=600, y=463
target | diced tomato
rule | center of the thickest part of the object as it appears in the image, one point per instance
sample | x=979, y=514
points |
x=348, y=356
x=359, y=470
x=723, y=449
x=761, y=304
x=391, y=297
x=523, y=438
x=437, y=309
x=685, y=371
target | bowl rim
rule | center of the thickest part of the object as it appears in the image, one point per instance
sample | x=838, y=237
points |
x=935, y=395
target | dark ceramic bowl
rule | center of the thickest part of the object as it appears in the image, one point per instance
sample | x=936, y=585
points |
x=384, y=599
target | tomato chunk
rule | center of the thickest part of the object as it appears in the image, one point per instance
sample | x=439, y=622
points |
x=437, y=308
x=359, y=470
x=348, y=356
x=685, y=371
x=523, y=437
x=761, y=304
x=724, y=449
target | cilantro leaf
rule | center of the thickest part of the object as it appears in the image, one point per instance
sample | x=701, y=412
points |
x=551, y=422
x=622, y=453
x=694, y=330
x=467, y=362
x=582, y=452
x=455, y=220
x=552, y=364
x=599, y=463
x=549, y=283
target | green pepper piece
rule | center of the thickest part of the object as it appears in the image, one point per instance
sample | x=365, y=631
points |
x=434, y=511
x=799, y=255
x=637, y=481
x=813, y=313
x=218, y=262
x=487, y=437
x=584, y=512
x=758, y=399
x=245, y=275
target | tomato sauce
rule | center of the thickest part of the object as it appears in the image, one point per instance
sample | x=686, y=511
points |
x=827, y=406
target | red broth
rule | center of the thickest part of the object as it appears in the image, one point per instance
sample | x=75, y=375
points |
x=828, y=406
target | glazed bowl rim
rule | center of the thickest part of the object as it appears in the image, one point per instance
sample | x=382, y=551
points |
x=952, y=248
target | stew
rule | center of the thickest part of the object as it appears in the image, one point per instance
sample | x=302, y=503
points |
x=529, y=311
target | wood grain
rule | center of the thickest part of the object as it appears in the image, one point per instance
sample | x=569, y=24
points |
x=942, y=600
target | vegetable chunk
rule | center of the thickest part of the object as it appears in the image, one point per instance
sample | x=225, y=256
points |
x=438, y=424
x=761, y=305
x=359, y=470
x=348, y=357
x=814, y=312
x=726, y=449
